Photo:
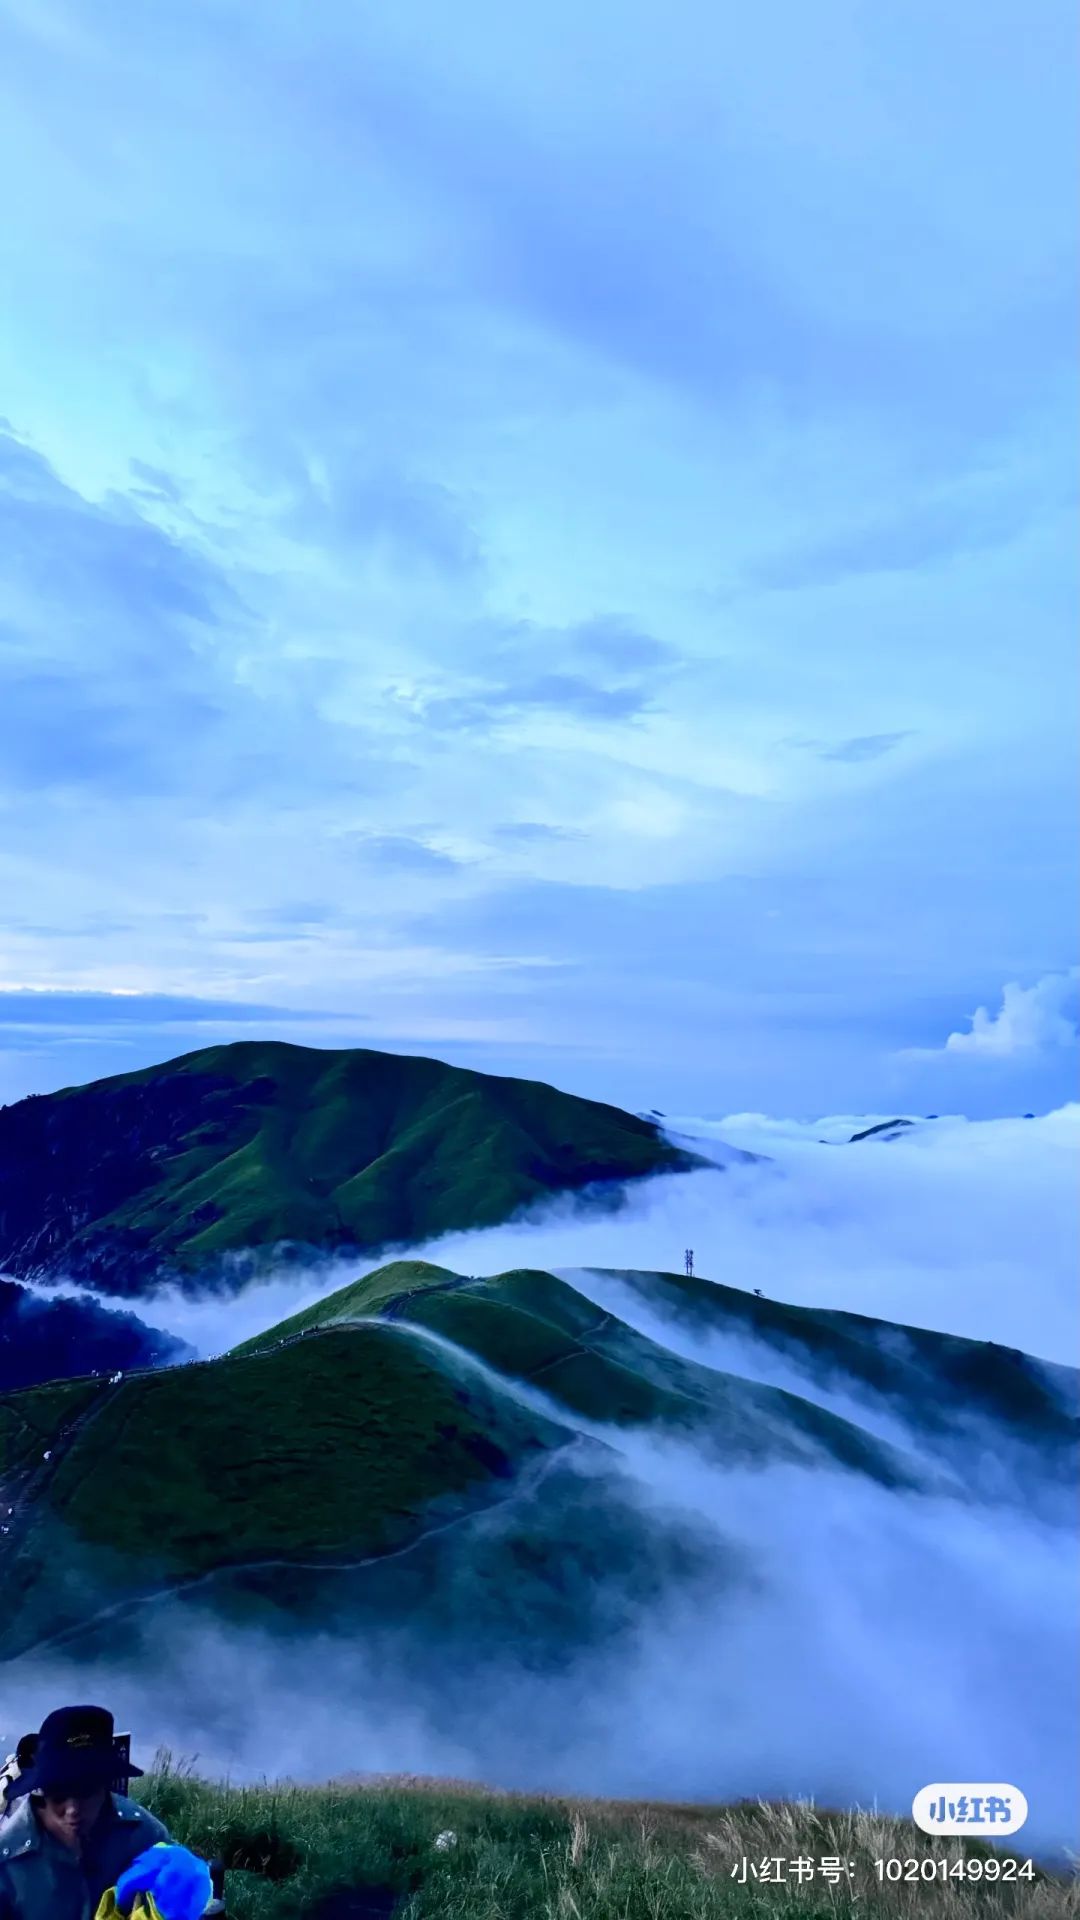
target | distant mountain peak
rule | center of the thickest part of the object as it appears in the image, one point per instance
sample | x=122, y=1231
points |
x=184, y=1169
x=882, y=1130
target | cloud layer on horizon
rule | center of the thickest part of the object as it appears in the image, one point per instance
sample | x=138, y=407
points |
x=964, y=1227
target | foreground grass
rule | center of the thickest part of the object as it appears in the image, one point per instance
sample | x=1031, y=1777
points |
x=295, y=1853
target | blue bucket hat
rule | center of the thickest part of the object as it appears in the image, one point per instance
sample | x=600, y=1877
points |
x=75, y=1755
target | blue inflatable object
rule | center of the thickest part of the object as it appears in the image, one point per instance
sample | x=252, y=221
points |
x=176, y=1879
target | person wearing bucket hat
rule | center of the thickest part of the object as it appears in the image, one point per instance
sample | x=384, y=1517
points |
x=73, y=1849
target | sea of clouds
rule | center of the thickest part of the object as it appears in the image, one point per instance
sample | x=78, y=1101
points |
x=884, y=1641
x=887, y=1639
x=966, y=1227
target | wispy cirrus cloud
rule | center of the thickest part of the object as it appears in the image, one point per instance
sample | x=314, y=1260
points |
x=864, y=746
x=852, y=752
x=401, y=852
x=26, y=1008
x=926, y=532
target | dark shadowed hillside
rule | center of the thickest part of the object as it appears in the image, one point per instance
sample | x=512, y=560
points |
x=240, y=1148
x=57, y=1339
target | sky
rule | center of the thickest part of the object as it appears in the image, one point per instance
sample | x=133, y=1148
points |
x=547, y=538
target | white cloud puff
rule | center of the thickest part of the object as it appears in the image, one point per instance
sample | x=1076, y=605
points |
x=1029, y=1020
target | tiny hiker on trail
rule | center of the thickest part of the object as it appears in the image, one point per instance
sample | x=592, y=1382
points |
x=71, y=1848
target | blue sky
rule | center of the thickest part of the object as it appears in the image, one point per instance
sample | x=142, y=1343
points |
x=544, y=537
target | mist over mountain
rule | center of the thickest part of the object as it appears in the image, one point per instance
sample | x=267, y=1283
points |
x=499, y=1522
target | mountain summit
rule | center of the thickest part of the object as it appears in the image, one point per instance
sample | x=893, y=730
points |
x=241, y=1148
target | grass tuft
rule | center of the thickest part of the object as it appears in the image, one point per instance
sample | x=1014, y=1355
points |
x=370, y=1848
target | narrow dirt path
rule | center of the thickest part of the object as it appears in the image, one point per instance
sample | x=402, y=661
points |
x=393, y=1308
x=35, y=1485
x=579, y=1345
x=525, y=1484
x=23, y=1492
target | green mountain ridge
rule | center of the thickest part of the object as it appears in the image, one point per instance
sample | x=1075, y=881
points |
x=384, y=1455
x=946, y=1377
x=204, y=1165
x=531, y=1327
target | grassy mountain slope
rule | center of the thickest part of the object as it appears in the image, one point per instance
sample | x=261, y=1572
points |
x=341, y=1438
x=31, y=1421
x=934, y=1377
x=329, y=1452
x=241, y=1147
x=532, y=1327
x=356, y=1301
x=368, y=1428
